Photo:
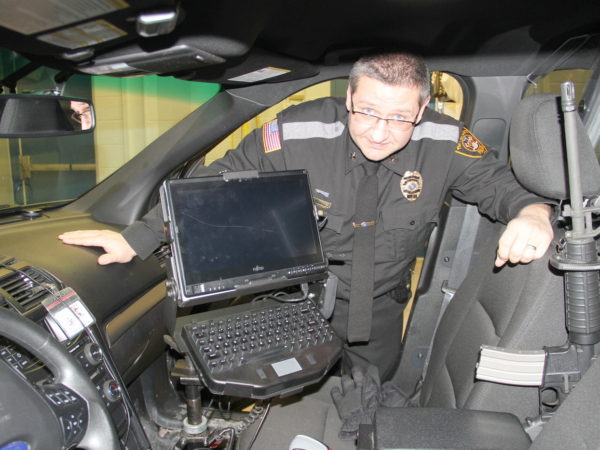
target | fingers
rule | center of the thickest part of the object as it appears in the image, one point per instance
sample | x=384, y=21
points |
x=521, y=250
x=114, y=244
x=106, y=259
x=373, y=373
x=336, y=394
x=523, y=242
x=347, y=383
x=357, y=375
x=517, y=250
x=350, y=382
x=514, y=248
x=95, y=238
x=516, y=257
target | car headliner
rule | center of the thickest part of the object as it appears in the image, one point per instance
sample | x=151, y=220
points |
x=236, y=36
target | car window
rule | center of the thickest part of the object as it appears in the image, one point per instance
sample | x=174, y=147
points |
x=446, y=94
x=230, y=142
x=583, y=81
x=550, y=83
x=130, y=113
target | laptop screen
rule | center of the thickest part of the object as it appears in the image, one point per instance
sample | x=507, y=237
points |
x=239, y=233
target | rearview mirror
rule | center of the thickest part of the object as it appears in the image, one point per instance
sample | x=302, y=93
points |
x=27, y=115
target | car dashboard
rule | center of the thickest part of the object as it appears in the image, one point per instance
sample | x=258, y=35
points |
x=129, y=311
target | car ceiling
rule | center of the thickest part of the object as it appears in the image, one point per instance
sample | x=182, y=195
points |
x=220, y=41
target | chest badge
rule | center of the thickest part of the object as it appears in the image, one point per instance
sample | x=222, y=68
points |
x=411, y=185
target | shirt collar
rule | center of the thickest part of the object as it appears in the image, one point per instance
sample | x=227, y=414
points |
x=355, y=158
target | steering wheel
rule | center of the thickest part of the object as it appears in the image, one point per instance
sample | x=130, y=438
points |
x=65, y=414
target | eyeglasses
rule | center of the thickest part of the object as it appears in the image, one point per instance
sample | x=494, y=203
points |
x=370, y=119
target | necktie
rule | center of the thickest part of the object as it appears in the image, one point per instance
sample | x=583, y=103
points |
x=363, y=256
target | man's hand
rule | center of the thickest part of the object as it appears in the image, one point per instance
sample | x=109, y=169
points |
x=114, y=244
x=527, y=236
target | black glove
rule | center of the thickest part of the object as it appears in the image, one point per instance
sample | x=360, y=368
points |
x=357, y=401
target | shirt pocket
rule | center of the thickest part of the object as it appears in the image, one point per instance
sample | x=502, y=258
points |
x=335, y=244
x=405, y=231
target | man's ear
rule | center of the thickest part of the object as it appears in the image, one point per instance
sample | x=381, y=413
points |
x=422, y=110
x=349, y=98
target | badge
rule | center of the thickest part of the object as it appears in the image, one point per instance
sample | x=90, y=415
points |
x=411, y=185
x=469, y=145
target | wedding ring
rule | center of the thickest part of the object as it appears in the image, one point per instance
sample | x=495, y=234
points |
x=532, y=247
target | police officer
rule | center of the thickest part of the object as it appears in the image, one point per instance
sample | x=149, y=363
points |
x=419, y=155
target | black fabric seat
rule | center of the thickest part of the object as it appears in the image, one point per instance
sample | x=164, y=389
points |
x=517, y=307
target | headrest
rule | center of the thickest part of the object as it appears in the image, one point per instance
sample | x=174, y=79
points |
x=538, y=149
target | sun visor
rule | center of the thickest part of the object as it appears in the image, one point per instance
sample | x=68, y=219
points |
x=186, y=54
x=258, y=66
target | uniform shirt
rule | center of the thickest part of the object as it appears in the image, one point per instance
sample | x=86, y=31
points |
x=442, y=155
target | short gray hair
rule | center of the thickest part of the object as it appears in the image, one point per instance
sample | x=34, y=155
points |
x=396, y=69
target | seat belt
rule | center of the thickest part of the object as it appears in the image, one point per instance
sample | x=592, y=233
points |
x=459, y=269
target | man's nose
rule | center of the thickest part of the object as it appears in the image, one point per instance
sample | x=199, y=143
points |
x=379, y=130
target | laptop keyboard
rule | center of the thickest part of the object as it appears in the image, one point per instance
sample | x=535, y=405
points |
x=261, y=351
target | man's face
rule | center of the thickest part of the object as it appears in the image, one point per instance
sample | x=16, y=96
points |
x=82, y=113
x=378, y=139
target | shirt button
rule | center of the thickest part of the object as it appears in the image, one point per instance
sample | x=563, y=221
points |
x=412, y=222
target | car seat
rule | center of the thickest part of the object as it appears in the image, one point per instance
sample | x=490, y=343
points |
x=516, y=306
x=539, y=162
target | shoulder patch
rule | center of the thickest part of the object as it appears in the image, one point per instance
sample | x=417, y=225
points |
x=468, y=145
x=271, y=137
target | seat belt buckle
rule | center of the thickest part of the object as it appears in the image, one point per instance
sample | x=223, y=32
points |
x=514, y=367
x=446, y=289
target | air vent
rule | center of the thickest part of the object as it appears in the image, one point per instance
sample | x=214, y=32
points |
x=24, y=287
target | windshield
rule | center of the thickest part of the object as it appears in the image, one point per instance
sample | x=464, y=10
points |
x=130, y=113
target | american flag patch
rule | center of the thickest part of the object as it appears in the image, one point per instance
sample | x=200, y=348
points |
x=270, y=135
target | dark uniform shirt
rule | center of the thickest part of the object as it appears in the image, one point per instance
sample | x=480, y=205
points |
x=442, y=155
